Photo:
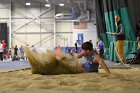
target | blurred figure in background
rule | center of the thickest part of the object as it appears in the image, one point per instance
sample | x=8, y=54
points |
x=76, y=46
x=120, y=39
x=101, y=48
x=21, y=52
x=10, y=53
x=4, y=45
x=5, y=55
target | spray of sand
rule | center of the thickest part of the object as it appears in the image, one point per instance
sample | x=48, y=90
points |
x=48, y=63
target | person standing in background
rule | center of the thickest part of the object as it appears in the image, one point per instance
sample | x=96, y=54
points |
x=4, y=46
x=76, y=46
x=120, y=39
x=10, y=53
x=21, y=52
x=101, y=48
x=15, y=51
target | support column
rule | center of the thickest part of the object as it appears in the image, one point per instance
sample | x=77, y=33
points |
x=10, y=23
x=54, y=30
x=40, y=26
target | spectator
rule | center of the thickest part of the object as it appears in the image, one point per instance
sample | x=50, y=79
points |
x=120, y=39
x=21, y=52
x=4, y=45
x=10, y=54
x=16, y=51
x=101, y=48
x=15, y=54
x=5, y=56
x=76, y=46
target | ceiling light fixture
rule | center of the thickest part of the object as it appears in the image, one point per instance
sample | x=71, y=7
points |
x=47, y=5
x=28, y=3
x=61, y=4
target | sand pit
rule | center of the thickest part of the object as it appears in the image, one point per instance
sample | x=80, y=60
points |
x=118, y=80
x=23, y=81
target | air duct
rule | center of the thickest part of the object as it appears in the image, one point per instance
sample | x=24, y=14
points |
x=84, y=16
x=63, y=16
x=84, y=13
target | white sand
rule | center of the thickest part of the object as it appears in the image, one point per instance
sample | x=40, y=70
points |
x=118, y=80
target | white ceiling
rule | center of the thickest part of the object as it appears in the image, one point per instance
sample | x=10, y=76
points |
x=70, y=3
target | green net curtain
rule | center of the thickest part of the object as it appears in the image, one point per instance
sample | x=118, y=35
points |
x=109, y=9
x=101, y=28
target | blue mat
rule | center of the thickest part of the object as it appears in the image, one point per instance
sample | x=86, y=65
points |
x=7, y=66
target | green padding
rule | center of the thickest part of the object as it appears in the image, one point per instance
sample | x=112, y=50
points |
x=130, y=46
x=109, y=25
x=115, y=3
x=112, y=22
x=129, y=30
x=126, y=20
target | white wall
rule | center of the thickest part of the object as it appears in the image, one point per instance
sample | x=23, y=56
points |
x=37, y=31
x=40, y=31
x=64, y=33
x=89, y=34
x=67, y=31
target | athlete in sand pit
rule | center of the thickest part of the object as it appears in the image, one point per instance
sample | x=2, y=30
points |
x=52, y=62
x=56, y=63
x=92, y=57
